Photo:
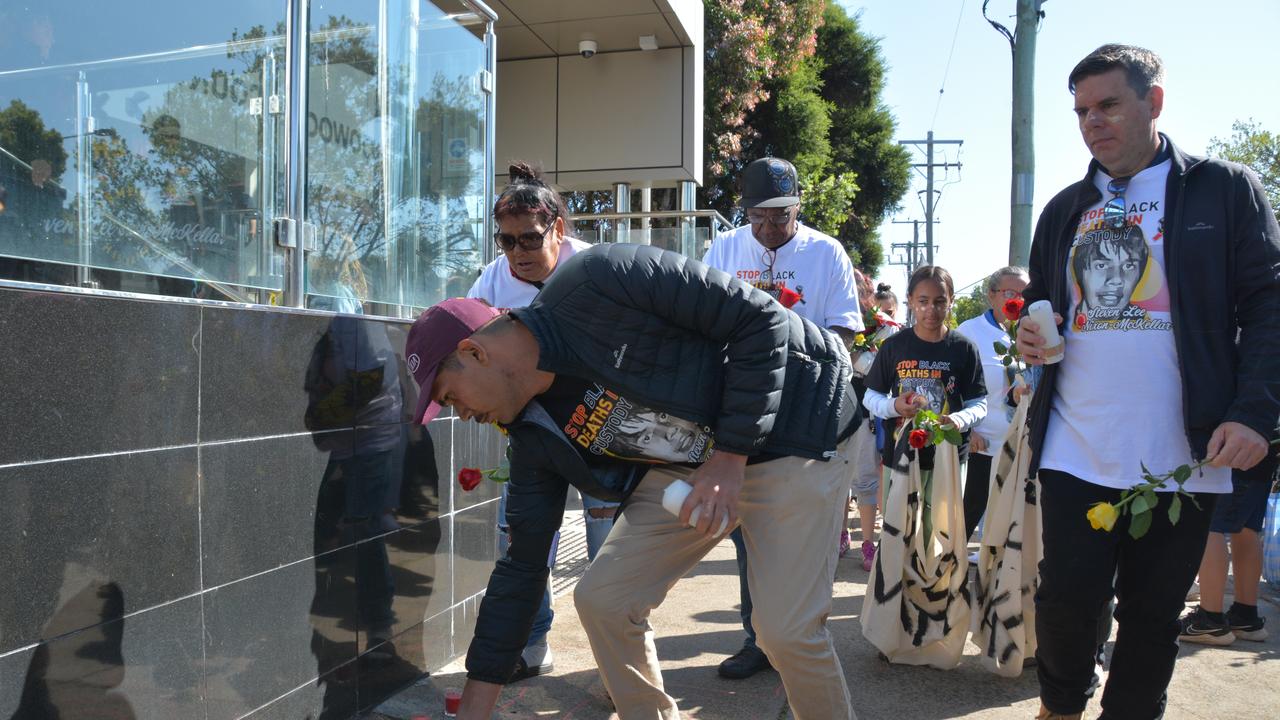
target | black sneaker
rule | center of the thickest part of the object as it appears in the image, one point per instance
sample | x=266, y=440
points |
x=746, y=662
x=1198, y=627
x=1247, y=629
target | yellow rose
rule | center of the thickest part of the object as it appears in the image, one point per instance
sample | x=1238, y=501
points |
x=1103, y=516
x=859, y=338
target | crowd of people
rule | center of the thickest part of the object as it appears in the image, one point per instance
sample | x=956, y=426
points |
x=781, y=390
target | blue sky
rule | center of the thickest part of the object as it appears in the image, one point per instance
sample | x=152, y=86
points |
x=1220, y=59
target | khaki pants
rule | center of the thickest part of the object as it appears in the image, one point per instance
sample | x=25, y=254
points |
x=791, y=511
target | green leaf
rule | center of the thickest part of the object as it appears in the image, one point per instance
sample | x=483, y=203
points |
x=1182, y=474
x=952, y=436
x=1145, y=472
x=1139, y=505
x=1150, y=496
x=1007, y=360
x=1175, y=509
x=1139, y=525
x=1001, y=348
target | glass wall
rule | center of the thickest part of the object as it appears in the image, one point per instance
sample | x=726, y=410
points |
x=141, y=148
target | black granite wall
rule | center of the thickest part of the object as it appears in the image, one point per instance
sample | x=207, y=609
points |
x=225, y=513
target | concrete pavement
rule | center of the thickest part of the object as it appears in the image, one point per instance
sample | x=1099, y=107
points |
x=698, y=626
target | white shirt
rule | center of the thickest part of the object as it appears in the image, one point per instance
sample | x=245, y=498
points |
x=498, y=287
x=985, y=333
x=812, y=265
x=1118, y=400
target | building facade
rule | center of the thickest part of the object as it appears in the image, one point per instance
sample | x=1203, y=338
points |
x=216, y=223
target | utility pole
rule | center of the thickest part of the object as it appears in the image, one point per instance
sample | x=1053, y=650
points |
x=1022, y=43
x=929, y=165
x=912, y=248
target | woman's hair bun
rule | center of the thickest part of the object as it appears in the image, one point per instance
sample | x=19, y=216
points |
x=523, y=172
x=884, y=287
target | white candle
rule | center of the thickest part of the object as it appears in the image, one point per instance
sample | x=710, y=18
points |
x=673, y=499
x=1041, y=313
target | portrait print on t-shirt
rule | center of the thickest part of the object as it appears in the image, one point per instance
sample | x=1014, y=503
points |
x=606, y=425
x=1117, y=282
x=926, y=377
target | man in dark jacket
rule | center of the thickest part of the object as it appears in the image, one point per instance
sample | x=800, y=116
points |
x=630, y=358
x=1158, y=260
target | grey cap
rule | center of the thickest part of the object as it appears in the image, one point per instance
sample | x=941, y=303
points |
x=769, y=183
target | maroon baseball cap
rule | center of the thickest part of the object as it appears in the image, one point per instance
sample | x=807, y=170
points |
x=434, y=335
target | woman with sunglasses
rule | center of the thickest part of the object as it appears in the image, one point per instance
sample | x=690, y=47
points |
x=533, y=235
x=533, y=227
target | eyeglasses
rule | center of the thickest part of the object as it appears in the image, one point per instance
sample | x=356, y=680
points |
x=775, y=220
x=1114, y=212
x=1007, y=294
x=527, y=241
x=769, y=257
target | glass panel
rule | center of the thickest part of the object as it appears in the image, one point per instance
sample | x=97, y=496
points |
x=692, y=244
x=395, y=160
x=141, y=139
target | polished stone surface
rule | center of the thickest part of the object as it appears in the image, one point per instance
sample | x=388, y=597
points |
x=421, y=575
x=476, y=446
x=84, y=376
x=331, y=697
x=68, y=525
x=424, y=463
x=335, y=544
x=143, y=666
x=273, y=501
x=276, y=631
x=475, y=549
x=262, y=371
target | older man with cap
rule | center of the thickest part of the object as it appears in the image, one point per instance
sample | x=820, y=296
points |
x=746, y=402
x=808, y=272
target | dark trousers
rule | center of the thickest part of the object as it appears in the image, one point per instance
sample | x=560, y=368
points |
x=1151, y=578
x=744, y=593
x=976, y=489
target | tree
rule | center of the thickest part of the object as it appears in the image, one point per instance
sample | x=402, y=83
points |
x=749, y=44
x=1257, y=148
x=826, y=116
x=23, y=134
x=862, y=130
x=971, y=305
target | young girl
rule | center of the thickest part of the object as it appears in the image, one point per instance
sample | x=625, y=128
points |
x=917, y=608
x=928, y=367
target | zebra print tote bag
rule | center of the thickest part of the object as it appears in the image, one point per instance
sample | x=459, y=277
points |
x=916, y=610
x=1005, y=621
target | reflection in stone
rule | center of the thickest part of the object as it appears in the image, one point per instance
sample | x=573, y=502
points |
x=354, y=380
x=77, y=676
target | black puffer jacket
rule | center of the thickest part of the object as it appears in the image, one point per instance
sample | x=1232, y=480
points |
x=1222, y=261
x=675, y=335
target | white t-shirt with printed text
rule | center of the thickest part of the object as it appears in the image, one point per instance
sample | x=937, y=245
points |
x=1118, y=400
x=812, y=265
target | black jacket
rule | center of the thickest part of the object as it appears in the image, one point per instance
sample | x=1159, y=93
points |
x=1222, y=265
x=675, y=335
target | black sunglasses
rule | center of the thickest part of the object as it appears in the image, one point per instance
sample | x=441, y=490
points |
x=527, y=241
x=1114, y=212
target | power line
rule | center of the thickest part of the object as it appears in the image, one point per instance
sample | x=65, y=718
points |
x=947, y=70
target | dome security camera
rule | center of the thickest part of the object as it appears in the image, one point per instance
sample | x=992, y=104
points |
x=587, y=48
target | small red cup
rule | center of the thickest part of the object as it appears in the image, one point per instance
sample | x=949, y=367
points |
x=452, y=700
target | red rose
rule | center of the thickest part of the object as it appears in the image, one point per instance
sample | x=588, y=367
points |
x=469, y=478
x=1013, y=308
x=918, y=439
x=788, y=297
